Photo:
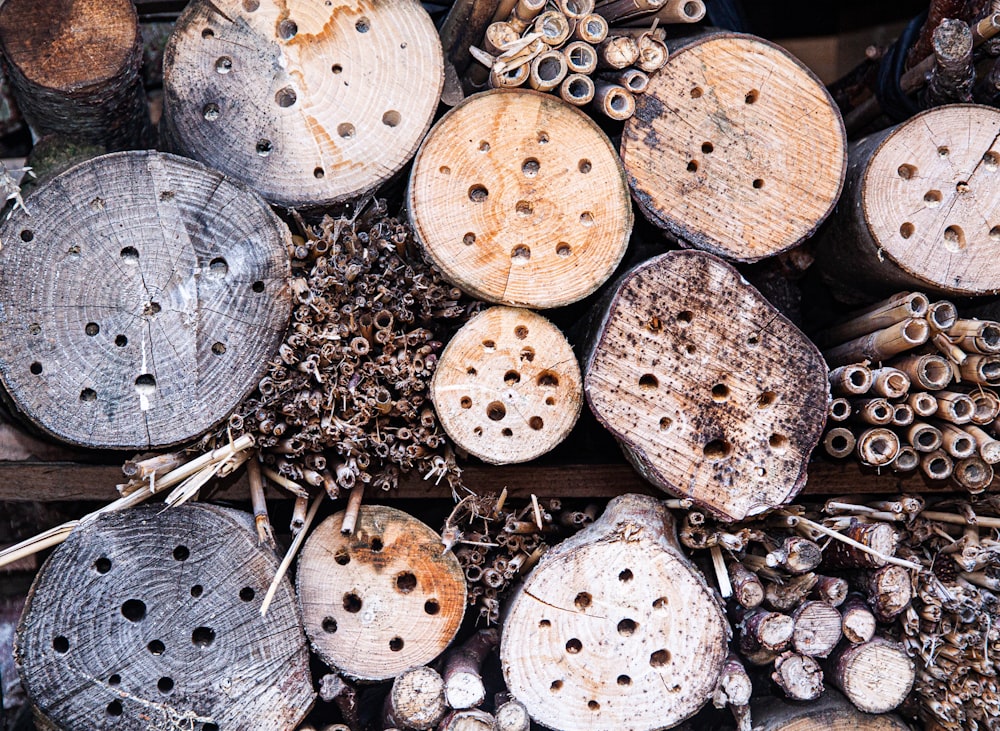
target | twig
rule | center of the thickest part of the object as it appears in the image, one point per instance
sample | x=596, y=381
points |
x=289, y=555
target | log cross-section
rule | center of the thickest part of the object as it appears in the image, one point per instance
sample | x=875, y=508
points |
x=715, y=396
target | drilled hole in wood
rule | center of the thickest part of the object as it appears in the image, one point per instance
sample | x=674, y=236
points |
x=753, y=340
x=625, y=575
x=257, y=286
x=287, y=29
x=496, y=411
x=115, y=679
x=720, y=393
x=563, y=249
x=224, y=65
x=692, y=166
x=352, y=603
x=60, y=644
x=511, y=377
x=932, y=198
x=717, y=449
x=752, y=96
x=219, y=348
x=758, y=183
x=182, y=553
x=342, y=557
x=484, y=146
x=264, y=147
x=507, y=432
x=247, y=594
x=991, y=160
x=114, y=708
x=627, y=627
x=203, y=636
x=466, y=402
x=392, y=118
x=165, y=685
x=661, y=602
x=543, y=138
x=766, y=400
x=536, y=423
x=556, y=686
x=102, y=565
x=943, y=152
x=208, y=33
x=907, y=230
x=648, y=382
x=995, y=233
x=210, y=112
x=478, y=193
x=35, y=368
x=406, y=582
x=363, y=25
x=906, y=171
x=707, y=147
x=530, y=167
x=527, y=353
x=624, y=680
x=197, y=590
x=524, y=208
x=88, y=394
x=696, y=92
x=156, y=647
x=396, y=644
x=285, y=97
x=584, y=166
x=954, y=238
x=431, y=606
x=478, y=431
x=549, y=401
x=659, y=658
x=345, y=130
x=134, y=610
x=34, y=329
x=337, y=68
x=665, y=423
x=218, y=268
x=520, y=254
x=583, y=600
x=587, y=218
x=250, y=5
x=129, y=255
x=574, y=646
x=545, y=624
x=329, y=625
x=376, y=544
x=593, y=705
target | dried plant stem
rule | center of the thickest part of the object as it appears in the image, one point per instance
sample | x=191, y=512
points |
x=353, y=508
x=812, y=525
x=290, y=555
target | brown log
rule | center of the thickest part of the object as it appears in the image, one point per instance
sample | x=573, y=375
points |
x=281, y=99
x=817, y=628
x=416, y=700
x=914, y=189
x=463, y=682
x=831, y=589
x=878, y=536
x=796, y=555
x=689, y=175
x=857, y=620
x=170, y=325
x=889, y=592
x=508, y=387
x=74, y=68
x=332, y=687
x=876, y=676
x=788, y=594
x=160, y=611
x=616, y=609
x=381, y=600
x=747, y=589
x=799, y=676
x=734, y=441
x=953, y=74
x=760, y=629
x=831, y=712
x=509, y=215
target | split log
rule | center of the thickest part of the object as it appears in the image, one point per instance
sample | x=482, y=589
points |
x=416, y=700
x=716, y=186
x=280, y=95
x=463, y=682
x=609, y=621
x=159, y=612
x=911, y=211
x=799, y=676
x=507, y=387
x=74, y=67
x=876, y=676
x=508, y=211
x=831, y=712
x=159, y=293
x=817, y=628
x=660, y=377
x=381, y=600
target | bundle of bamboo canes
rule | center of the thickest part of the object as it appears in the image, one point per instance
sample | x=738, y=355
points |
x=914, y=387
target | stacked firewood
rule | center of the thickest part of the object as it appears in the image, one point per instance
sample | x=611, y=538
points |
x=914, y=387
x=599, y=56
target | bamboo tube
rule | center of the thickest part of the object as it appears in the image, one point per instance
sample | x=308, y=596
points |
x=632, y=79
x=499, y=37
x=907, y=459
x=581, y=58
x=956, y=441
x=617, y=52
x=876, y=411
x=955, y=407
x=883, y=344
x=675, y=11
x=851, y=380
x=353, y=509
x=613, y=101
x=930, y=372
x=877, y=447
x=576, y=8
x=658, y=33
x=974, y=474
x=989, y=448
x=577, y=89
x=924, y=437
x=618, y=10
x=840, y=409
x=947, y=348
x=839, y=442
x=504, y=10
x=281, y=481
x=976, y=336
x=890, y=383
x=942, y=315
x=265, y=534
x=899, y=307
x=987, y=405
x=952, y=519
x=653, y=54
x=553, y=26
x=902, y=414
x=142, y=469
x=922, y=403
x=937, y=465
x=547, y=71
x=524, y=13
x=591, y=29
x=983, y=369
x=510, y=78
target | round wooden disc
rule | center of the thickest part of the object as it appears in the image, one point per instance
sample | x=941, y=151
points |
x=141, y=300
x=309, y=103
x=508, y=386
x=931, y=198
x=68, y=45
x=150, y=618
x=735, y=148
x=380, y=601
x=520, y=199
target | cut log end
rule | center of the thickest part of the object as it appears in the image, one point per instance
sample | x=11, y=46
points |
x=682, y=162
x=382, y=600
x=661, y=377
x=831, y=712
x=417, y=699
x=876, y=676
x=311, y=134
x=508, y=386
x=501, y=196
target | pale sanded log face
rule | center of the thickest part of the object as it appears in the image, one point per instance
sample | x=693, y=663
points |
x=280, y=94
x=158, y=292
x=508, y=386
x=383, y=600
x=720, y=403
x=735, y=148
x=151, y=619
x=615, y=629
x=520, y=199
x=931, y=196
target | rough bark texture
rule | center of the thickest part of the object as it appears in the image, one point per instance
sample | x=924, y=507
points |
x=382, y=600
x=416, y=700
x=151, y=618
x=141, y=300
x=722, y=409
x=713, y=152
x=74, y=66
x=615, y=628
x=279, y=94
x=508, y=386
x=502, y=197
